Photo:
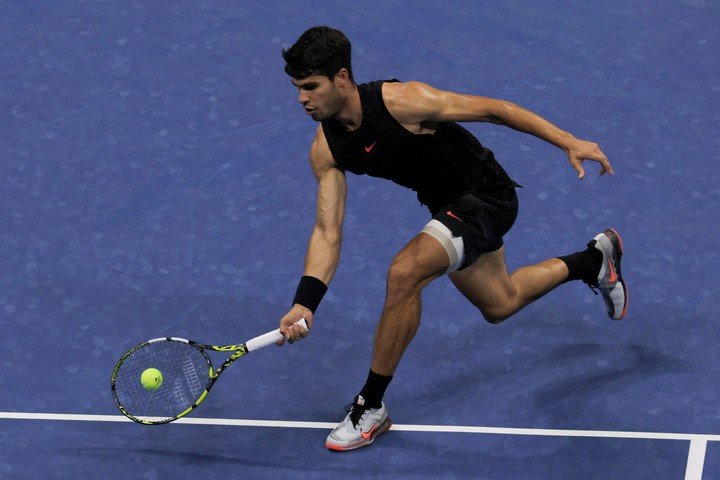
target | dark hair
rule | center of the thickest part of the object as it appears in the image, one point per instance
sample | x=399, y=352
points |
x=318, y=51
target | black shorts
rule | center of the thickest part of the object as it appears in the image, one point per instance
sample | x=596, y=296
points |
x=481, y=219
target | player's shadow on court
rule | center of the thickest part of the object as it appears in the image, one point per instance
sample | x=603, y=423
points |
x=612, y=372
x=554, y=383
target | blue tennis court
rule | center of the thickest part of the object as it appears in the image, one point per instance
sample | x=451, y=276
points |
x=154, y=181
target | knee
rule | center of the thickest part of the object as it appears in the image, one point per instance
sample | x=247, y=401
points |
x=496, y=314
x=403, y=274
x=494, y=318
x=497, y=305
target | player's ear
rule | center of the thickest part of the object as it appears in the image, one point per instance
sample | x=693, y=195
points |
x=342, y=77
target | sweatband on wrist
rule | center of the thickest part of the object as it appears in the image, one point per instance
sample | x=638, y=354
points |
x=310, y=292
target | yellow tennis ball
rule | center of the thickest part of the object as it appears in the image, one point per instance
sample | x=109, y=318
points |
x=151, y=379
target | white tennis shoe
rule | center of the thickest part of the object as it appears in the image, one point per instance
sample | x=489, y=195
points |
x=610, y=282
x=361, y=426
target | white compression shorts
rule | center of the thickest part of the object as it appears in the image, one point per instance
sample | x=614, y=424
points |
x=454, y=246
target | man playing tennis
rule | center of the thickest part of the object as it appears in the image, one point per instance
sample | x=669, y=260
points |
x=406, y=133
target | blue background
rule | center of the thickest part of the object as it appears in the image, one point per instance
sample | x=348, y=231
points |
x=154, y=181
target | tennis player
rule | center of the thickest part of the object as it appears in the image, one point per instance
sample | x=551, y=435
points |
x=406, y=132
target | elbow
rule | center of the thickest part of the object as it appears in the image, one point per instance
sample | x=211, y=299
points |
x=502, y=106
x=330, y=236
x=333, y=238
x=502, y=110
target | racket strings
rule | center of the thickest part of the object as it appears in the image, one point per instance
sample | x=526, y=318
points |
x=185, y=371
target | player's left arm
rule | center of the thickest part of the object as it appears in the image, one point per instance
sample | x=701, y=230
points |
x=419, y=103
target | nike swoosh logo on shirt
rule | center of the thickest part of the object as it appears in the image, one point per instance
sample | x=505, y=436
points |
x=368, y=149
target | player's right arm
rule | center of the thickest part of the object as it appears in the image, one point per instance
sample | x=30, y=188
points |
x=323, y=252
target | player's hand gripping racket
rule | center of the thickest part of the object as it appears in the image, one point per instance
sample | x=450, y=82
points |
x=164, y=379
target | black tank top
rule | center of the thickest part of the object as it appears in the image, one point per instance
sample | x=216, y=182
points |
x=440, y=167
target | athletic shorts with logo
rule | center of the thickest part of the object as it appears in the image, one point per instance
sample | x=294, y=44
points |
x=481, y=219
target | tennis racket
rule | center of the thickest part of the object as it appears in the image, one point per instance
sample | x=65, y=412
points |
x=187, y=375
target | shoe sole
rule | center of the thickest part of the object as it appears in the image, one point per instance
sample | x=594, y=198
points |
x=619, y=274
x=384, y=427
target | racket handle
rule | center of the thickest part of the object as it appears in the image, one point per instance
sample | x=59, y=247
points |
x=270, y=337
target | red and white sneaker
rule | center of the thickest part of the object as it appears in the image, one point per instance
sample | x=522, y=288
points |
x=360, y=428
x=610, y=282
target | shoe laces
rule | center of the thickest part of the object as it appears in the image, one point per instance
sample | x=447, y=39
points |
x=356, y=412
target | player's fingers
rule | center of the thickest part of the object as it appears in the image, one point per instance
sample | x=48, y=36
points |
x=580, y=170
x=299, y=332
x=304, y=332
x=606, y=167
x=293, y=334
x=284, y=331
x=577, y=165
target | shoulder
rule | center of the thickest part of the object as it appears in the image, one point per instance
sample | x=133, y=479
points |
x=321, y=158
x=399, y=92
x=411, y=101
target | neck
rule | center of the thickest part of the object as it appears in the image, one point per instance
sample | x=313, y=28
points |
x=350, y=115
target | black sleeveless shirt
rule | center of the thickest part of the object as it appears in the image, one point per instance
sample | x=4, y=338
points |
x=440, y=167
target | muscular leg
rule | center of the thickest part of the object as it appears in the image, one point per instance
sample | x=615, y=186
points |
x=422, y=260
x=487, y=284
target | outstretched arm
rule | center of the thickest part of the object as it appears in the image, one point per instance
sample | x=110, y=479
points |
x=416, y=103
x=323, y=253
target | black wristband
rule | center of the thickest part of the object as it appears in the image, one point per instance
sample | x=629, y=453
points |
x=310, y=292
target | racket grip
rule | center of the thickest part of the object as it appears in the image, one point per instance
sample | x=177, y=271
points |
x=270, y=337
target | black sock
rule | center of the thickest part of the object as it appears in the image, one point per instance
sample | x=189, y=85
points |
x=374, y=389
x=584, y=265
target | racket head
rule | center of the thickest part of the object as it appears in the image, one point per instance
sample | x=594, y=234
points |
x=187, y=377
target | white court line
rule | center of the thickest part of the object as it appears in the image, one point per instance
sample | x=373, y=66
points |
x=696, y=460
x=692, y=437
x=693, y=471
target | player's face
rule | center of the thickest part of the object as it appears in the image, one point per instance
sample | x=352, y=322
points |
x=319, y=96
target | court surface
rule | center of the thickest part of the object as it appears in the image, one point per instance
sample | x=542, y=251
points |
x=154, y=181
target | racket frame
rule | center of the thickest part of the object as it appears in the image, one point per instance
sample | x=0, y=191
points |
x=213, y=374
